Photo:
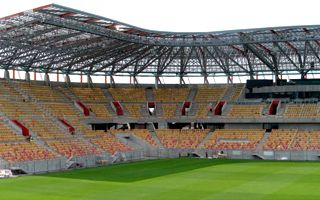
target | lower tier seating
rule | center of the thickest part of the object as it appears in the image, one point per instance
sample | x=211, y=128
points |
x=280, y=139
x=185, y=138
x=110, y=144
x=145, y=135
x=301, y=140
x=235, y=139
x=73, y=147
x=24, y=151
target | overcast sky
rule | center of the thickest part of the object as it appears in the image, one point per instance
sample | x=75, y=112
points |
x=189, y=15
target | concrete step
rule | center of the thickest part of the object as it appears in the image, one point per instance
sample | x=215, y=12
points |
x=243, y=92
x=16, y=87
x=178, y=109
x=149, y=95
x=132, y=141
x=67, y=94
x=154, y=135
x=89, y=143
x=156, y=138
x=226, y=109
x=108, y=95
x=159, y=110
x=144, y=110
x=262, y=141
x=194, y=109
x=208, y=136
x=192, y=94
x=228, y=93
x=46, y=146
x=110, y=109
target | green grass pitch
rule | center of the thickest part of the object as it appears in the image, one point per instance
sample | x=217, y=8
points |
x=173, y=179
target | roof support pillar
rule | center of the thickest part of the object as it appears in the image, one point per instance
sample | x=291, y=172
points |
x=205, y=79
x=67, y=80
x=112, y=82
x=13, y=74
x=47, y=79
x=27, y=77
x=181, y=80
x=58, y=76
x=135, y=80
x=89, y=80
x=230, y=79
x=157, y=81
x=6, y=74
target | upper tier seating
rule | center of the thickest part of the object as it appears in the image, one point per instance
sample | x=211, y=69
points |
x=7, y=134
x=302, y=111
x=67, y=111
x=235, y=139
x=237, y=91
x=24, y=151
x=280, y=139
x=10, y=108
x=40, y=92
x=134, y=110
x=43, y=127
x=128, y=94
x=171, y=94
x=209, y=94
x=100, y=110
x=168, y=110
x=245, y=111
x=73, y=147
x=61, y=109
x=16, y=109
x=94, y=95
x=110, y=144
x=7, y=91
x=185, y=138
x=203, y=110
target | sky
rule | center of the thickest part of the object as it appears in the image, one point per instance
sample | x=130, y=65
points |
x=187, y=15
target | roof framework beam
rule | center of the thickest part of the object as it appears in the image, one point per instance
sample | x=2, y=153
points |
x=54, y=38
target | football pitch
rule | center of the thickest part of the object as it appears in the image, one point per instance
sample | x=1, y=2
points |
x=173, y=179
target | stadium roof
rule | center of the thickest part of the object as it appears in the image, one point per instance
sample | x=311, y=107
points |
x=55, y=38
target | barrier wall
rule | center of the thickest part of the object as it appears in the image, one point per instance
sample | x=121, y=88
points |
x=42, y=166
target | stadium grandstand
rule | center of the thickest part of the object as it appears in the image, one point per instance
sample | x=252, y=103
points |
x=49, y=122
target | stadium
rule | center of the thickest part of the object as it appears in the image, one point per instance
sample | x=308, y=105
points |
x=94, y=108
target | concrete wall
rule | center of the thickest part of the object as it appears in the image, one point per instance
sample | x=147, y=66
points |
x=43, y=166
x=243, y=126
x=300, y=126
